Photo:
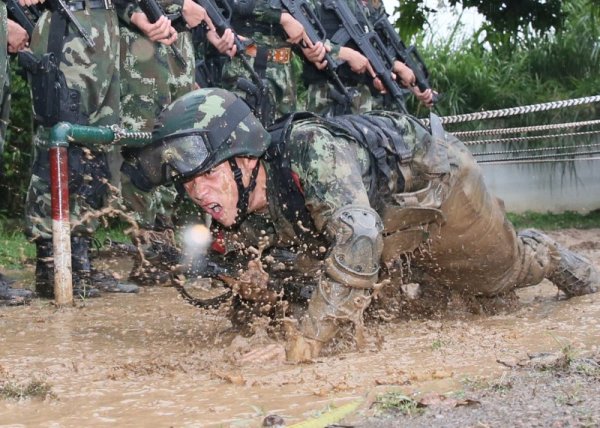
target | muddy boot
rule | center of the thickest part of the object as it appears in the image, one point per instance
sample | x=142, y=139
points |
x=82, y=270
x=573, y=274
x=13, y=296
x=44, y=269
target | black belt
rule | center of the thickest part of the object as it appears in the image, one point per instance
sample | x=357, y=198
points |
x=90, y=4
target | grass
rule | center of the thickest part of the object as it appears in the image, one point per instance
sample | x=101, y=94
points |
x=32, y=389
x=16, y=251
x=550, y=221
x=396, y=402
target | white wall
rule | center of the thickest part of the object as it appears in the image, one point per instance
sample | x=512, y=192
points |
x=546, y=187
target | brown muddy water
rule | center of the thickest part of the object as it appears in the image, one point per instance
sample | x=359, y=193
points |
x=152, y=360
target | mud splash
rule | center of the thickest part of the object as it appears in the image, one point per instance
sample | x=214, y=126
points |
x=151, y=360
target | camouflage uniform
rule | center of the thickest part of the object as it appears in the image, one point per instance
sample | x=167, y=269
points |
x=263, y=30
x=4, y=81
x=355, y=193
x=437, y=201
x=317, y=84
x=151, y=78
x=94, y=73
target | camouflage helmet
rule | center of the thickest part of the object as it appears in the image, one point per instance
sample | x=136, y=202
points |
x=194, y=134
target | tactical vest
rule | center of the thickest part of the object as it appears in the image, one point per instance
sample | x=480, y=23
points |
x=384, y=142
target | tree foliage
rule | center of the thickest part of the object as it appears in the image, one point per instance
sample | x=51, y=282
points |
x=507, y=21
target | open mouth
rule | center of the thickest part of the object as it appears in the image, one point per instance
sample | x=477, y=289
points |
x=213, y=208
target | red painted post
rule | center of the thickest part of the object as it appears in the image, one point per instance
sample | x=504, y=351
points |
x=61, y=228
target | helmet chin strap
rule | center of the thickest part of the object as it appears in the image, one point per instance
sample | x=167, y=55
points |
x=243, y=192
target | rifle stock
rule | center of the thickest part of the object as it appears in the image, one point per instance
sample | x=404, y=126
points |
x=370, y=44
x=257, y=90
x=18, y=14
x=408, y=55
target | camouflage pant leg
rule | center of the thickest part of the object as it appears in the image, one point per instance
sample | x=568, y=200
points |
x=151, y=78
x=280, y=78
x=95, y=74
x=4, y=115
x=477, y=249
x=4, y=80
x=318, y=99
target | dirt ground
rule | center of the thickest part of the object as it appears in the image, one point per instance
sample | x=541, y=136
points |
x=152, y=360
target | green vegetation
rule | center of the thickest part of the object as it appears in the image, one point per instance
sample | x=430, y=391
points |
x=549, y=221
x=32, y=389
x=16, y=251
x=397, y=403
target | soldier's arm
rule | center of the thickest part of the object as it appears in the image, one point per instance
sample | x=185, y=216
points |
x=331, y=172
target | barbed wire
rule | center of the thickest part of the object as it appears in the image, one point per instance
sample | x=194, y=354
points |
x=513, y=111
x=534, y=128
x=529, y=138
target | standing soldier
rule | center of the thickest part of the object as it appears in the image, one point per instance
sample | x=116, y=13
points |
x=80, y=38
x=13, y=38
x=152, y=77
x=269, y=33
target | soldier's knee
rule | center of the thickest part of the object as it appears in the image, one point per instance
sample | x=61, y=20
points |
x=354, y=259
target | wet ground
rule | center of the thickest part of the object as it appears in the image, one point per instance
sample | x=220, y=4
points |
x=152, y=360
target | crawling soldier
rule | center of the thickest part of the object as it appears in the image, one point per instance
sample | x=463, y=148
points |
x=357, y=193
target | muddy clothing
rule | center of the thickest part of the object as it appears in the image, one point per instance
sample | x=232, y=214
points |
x=268, y=53
x=94, y=73
x=421, y=191
x=319, y=88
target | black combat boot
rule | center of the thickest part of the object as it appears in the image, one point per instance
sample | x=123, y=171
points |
x=573, y=274
x=13, y=296
x=83, y=270
x=44, y=269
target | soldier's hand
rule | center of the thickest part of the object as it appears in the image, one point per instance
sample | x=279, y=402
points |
x=26, y=3
x=292, y=27
x=357, y=61
x=315, y=53
x=426, y=97
x=18, y=39
x=225, y=44
x=161, y=31
x=405, y=74
x=194, y=14
x=272, y=352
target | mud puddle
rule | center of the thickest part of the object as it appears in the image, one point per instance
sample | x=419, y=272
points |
x=152, y=360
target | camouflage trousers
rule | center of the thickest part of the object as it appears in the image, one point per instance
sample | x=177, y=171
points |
x=281, y=80
x=94, y=72
x=475, y=248
x=320, y=101
x=151, y=78
x=4, y=80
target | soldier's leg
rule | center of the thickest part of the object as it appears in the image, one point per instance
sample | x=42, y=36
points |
x=478, y=250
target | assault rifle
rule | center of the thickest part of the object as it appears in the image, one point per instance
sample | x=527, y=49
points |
x=408, y=56
x=61, y=7
x=303, y=13
x=153, y=12
x=257, y=89
x=18, y=13
x=370, y=44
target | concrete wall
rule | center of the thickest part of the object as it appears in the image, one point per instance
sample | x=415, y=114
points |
x=545, y=187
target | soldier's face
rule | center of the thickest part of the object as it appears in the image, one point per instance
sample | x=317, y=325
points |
x=216, y=192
